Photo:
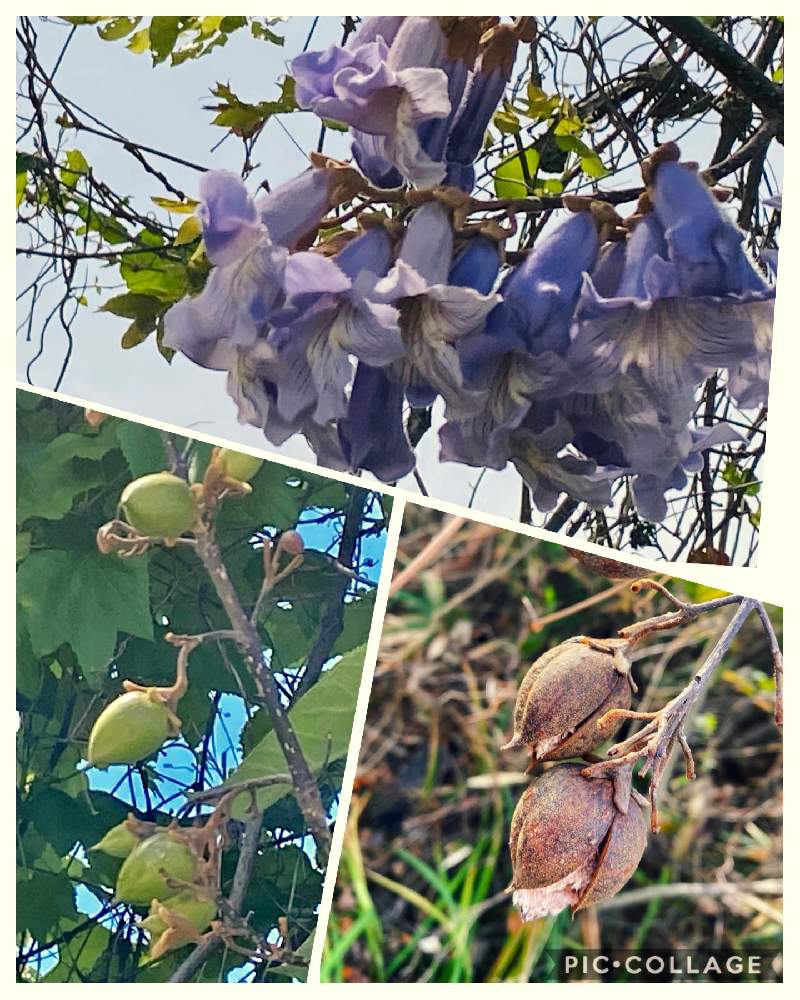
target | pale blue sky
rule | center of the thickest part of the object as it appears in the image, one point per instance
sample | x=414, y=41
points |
x=163, y=107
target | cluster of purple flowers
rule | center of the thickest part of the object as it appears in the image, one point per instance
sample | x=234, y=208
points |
x=581, y=366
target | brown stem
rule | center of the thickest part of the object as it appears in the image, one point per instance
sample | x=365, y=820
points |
x=655, y=742
x=305, y=784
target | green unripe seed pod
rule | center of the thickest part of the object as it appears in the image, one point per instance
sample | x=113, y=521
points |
x=237, y=465
x=128, y=730
x=118, y=842
x=160, y=505
x=145, y=873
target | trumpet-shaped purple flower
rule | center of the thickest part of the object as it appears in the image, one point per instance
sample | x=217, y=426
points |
x=687, y=301
x=485, y=92
x=316, y=345
x=381, y=90
x=372, y=434
x=518, y=355
x=254, y=272
x=538, y=452
x=434, y=315
x=649, y=489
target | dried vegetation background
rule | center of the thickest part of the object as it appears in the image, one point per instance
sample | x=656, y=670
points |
x=420, y=894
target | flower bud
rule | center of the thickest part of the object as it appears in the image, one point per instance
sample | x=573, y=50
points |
x=128, y=730
x=178, y=922
x=156, y=869
x=237, y=465
x=570, y=844
x=564, y=695
x=292, y=543
x=160, y=505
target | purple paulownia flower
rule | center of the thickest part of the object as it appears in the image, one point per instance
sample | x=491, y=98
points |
x=254, y=271
x=518, y=355
x=649, y=489
x=316, y=344
x=484, y=93
x=688, y=301
x=248, y=241
x=434, y=315
x=383, y=91
x=372, y=435
x=538, y=451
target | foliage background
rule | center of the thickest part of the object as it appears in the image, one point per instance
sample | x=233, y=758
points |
x=106, y=175
x=421, y=886
x=86, y=621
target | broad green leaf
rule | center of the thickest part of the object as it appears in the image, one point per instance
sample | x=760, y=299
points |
x=164, y=33
x=509, y=177
x=142, y=447
x=139, y=41
x=84, y=599
x=137, y=333
x=323, y=721
x=593, y=166
x=134, y=305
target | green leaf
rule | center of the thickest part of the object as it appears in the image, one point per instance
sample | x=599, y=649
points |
x=23, y=544
x=140, y=41
x=76, y=167
x=189, y=231
x=22, y=180
x=177, y=207
x=593, y=166
x=118, y=27
x=50, y=476
x=84, y=599
x=509, y=177
x=44, y=899
x=142, y=447
x=323, y=721
x=164, y=33
x=134, y=305
x=136, y=334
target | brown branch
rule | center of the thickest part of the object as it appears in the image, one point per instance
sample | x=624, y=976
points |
x=655, y=742
x=305, y=783
x=738, y=70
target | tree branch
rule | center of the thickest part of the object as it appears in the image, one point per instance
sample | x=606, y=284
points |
x=738, y=70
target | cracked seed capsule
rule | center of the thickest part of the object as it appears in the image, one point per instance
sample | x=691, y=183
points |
x=564, y=695
x=570, y=844
x=128, y=730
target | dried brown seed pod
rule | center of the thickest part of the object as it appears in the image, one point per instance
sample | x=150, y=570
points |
x=570, y=844
x=564, y=695
x=611, y=568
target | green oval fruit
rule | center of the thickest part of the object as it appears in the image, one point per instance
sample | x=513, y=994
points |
x=144, y=874
x=118, y=842
x=160, y=505
x=237, y=465
x=199, y=911
x=131, y=728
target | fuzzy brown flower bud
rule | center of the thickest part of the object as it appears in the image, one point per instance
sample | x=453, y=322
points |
x=564, y=695
x=570, y=844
